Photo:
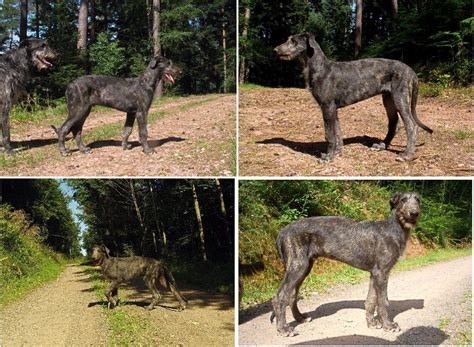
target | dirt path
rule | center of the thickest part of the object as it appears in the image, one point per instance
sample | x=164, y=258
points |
x=208, y=319
x=67, y=312
x=422, y=301
x=192, y=136
x=282, y=134
x=56, y=314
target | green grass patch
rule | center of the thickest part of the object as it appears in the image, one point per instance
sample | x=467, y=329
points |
x=250, y=86
x=463, y=135
x=21, y=115
x=125, y=328
x=262, y=286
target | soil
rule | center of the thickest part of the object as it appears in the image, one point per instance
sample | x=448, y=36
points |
x=67, y=312
x=429, y=309
x=194, y=138
x=281, y=133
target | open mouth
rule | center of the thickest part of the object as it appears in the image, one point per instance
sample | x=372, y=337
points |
x=168, y=77
x=45, y=62
x=286, y=56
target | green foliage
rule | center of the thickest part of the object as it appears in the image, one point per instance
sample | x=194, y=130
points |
x=107, y=56
x=24, y=261
x=65, y=74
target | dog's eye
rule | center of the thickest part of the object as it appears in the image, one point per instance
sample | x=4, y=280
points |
x=404, y=199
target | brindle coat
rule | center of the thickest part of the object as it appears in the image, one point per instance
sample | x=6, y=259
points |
x=122, y=270
x=371, y=246
x=338, y=84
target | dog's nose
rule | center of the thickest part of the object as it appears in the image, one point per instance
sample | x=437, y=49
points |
x=414, y=213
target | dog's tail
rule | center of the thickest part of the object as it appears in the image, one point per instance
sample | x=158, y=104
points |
x=414, y=97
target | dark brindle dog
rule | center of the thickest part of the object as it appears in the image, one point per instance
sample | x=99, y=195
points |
x=370, y=246
x=122, y=270
x=131, y=95
x=15, y=67
x=338, y=84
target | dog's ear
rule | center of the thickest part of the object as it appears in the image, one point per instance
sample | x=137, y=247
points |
x=155, y=61
x=106, y=251
x=395, y=200
x=25, y=43
x=309, y=44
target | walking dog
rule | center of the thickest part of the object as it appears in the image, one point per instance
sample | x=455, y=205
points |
x=373, y=246
x=130, y=95
x=338, y=84
x=15, y=67
x=122, y=270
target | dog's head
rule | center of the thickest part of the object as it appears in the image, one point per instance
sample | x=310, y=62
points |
x=166, y=69
x=40, y=53
x=407, y=206
x=296, y=46
x=99, y=254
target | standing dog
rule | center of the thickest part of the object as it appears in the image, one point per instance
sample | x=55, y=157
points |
x=15, y=67
x=370, y=246
x=131, y=95
x=338, y=84
x=121, y=270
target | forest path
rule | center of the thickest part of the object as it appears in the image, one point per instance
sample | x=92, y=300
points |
x=56, y=314
x=281, y=133
x=192, y=136
x=67, y=312
x=422, y=301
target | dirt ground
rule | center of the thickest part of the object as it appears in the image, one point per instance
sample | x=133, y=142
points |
x=67, y=312
x=281, y=133
x=194, y=137
x=430, y=310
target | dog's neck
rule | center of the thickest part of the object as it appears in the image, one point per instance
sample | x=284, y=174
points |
x=314, y=66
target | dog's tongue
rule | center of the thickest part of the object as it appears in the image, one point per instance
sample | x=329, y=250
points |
x=47, y=63
x=169, y=77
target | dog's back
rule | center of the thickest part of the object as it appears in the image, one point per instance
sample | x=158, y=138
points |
x=128, y=268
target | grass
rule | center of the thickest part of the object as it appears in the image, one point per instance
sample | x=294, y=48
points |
x=18, y=288
x=125, y=328
x=250, y=86
x=463, y=135
x=261, y=287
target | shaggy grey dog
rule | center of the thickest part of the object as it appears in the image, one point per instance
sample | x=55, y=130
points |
x=338, y=84
x=15, y=67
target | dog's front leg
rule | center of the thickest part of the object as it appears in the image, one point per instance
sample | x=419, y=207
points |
x=333, y=132
x=142, y=131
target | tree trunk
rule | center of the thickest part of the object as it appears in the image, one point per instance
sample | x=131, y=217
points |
x=224, y=214
x=137, y=211
x=23, y=20
x=394, y=9
x=82, y=28
x=224, y=49
x=156, y=39
x=358, y=28
x=37, y=28
x=155, y=217
x=199, y=220
x=93, y=20
x=243, y=48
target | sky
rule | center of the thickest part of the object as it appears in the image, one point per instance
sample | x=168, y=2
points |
x=75, y=208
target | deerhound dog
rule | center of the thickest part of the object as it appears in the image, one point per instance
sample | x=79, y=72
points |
x=122, y=270
x=338, y=84
x=130, y=95
x=373, y=246
x=15, y=67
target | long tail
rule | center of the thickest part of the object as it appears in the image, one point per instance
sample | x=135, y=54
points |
x=414, y=97
x=56, y=130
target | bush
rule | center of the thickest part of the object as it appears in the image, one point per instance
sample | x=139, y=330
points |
x=107, y=57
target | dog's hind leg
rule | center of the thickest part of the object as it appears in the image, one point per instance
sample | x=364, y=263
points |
x=77, y=133
x=150, y=281
x=393, y=123
x=300, y=317
x=127, y=129
x=170, y=283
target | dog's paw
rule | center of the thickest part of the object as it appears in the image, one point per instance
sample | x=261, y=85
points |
x=378, y=146
x=405, y=157
x=392, y=327
x=374, y=323
x=287, y=331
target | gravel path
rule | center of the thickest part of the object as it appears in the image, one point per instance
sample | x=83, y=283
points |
x=56, y=314
x=420, y=301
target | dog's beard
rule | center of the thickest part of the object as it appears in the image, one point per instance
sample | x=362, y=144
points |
x=406, y=223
